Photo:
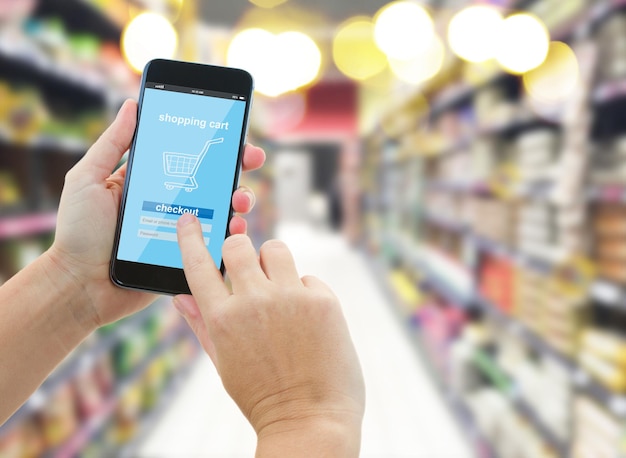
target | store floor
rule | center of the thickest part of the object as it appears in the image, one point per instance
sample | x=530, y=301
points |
x=405, y=416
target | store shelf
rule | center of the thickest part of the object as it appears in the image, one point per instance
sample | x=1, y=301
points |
x=534, y=341
x=27, y=225
x=607, y=193
x=607, y=92
x=47, y=73
x=149, y=421
x=458, y=407
x=602, y=10
x=82, y=16
x=614, y=402
x=530, y=414
x=98, y=421
x=80, y=360
x=506, y=386
x=608, y=294
x=438, y=273
x=517, y=258
x=445, y=223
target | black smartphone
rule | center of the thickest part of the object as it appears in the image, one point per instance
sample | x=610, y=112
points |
x=185, y=158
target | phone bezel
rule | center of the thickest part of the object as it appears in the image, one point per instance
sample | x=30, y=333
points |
x=160, y=279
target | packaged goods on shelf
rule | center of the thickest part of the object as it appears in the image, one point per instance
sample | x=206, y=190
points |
x=494, y=108
x=611, y=42
x=607, y=345
x=603, y=355
x=405, y=289
x=557, y=314
x=608, y=163
x=609, y=226
x=597, y=433
x=494, y=219
x=497, y=282
x=536, y=154
x=439, y=327
x=510, y=435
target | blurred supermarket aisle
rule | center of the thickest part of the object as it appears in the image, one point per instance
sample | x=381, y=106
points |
x=406, y=416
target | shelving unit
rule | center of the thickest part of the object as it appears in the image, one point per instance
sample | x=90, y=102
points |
x=62, y=79
x=546, y=336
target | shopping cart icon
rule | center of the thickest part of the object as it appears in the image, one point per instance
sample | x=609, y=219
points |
x=185, y=166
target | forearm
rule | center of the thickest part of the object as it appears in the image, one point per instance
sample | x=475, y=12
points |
x=320, y=438
x=39, y=326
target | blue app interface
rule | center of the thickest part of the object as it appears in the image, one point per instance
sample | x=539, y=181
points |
x=185, y=159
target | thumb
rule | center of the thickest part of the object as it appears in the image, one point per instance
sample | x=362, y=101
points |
x=106, y=152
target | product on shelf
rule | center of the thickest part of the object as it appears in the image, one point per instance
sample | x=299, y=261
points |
x=59, y=418
x=608, y=163
x=497, y=282
x=494, y=219
x=609, y=226
x=603, y=355
x=611, y=43
x=10, y=193
x=597, y=433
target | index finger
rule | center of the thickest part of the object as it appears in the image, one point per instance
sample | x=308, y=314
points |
x=204, y=278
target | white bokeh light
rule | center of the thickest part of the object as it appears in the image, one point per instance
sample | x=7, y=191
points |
x=403, y=30
x=278, y=63
x=148, y=36
x=522, y=44
x=473, y=33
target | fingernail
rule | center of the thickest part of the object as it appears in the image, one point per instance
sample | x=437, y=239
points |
x=186, y=219
x=251, y=196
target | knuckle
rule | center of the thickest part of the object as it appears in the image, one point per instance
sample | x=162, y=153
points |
x=196, y=260
x=235, y=242
x=273, y=245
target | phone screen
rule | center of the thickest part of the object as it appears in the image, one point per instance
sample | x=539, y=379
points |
x=185, y=160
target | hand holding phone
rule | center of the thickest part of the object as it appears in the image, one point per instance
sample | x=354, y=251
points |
x=185, y=158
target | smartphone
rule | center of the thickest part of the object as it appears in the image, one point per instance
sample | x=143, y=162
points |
x=185, y=157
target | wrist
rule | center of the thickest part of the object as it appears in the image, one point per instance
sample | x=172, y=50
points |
x=320, y=436
x=69, y=310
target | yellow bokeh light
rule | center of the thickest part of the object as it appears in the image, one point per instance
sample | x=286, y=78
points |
x=403, y=30
x=355, y=52
x=267, y=3
x=522, y=43
x=556, y=80
x=422, y=67
x=473, y=32
x=278, y=63
x=148, y=36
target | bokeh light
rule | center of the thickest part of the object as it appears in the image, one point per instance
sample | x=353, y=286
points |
x=278, y=63
x=354, y=51
x=473, y=32
x=421, y=67
x=403, y=30
x=554, y=81
x=148, y=36
x=267, y=3
x=522, y=44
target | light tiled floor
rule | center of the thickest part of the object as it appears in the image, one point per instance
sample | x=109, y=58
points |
x=405, y=415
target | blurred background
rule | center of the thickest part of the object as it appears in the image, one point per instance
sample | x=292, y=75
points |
x=454, y=169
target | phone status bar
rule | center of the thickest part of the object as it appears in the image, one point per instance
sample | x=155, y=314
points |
x=196, y=91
